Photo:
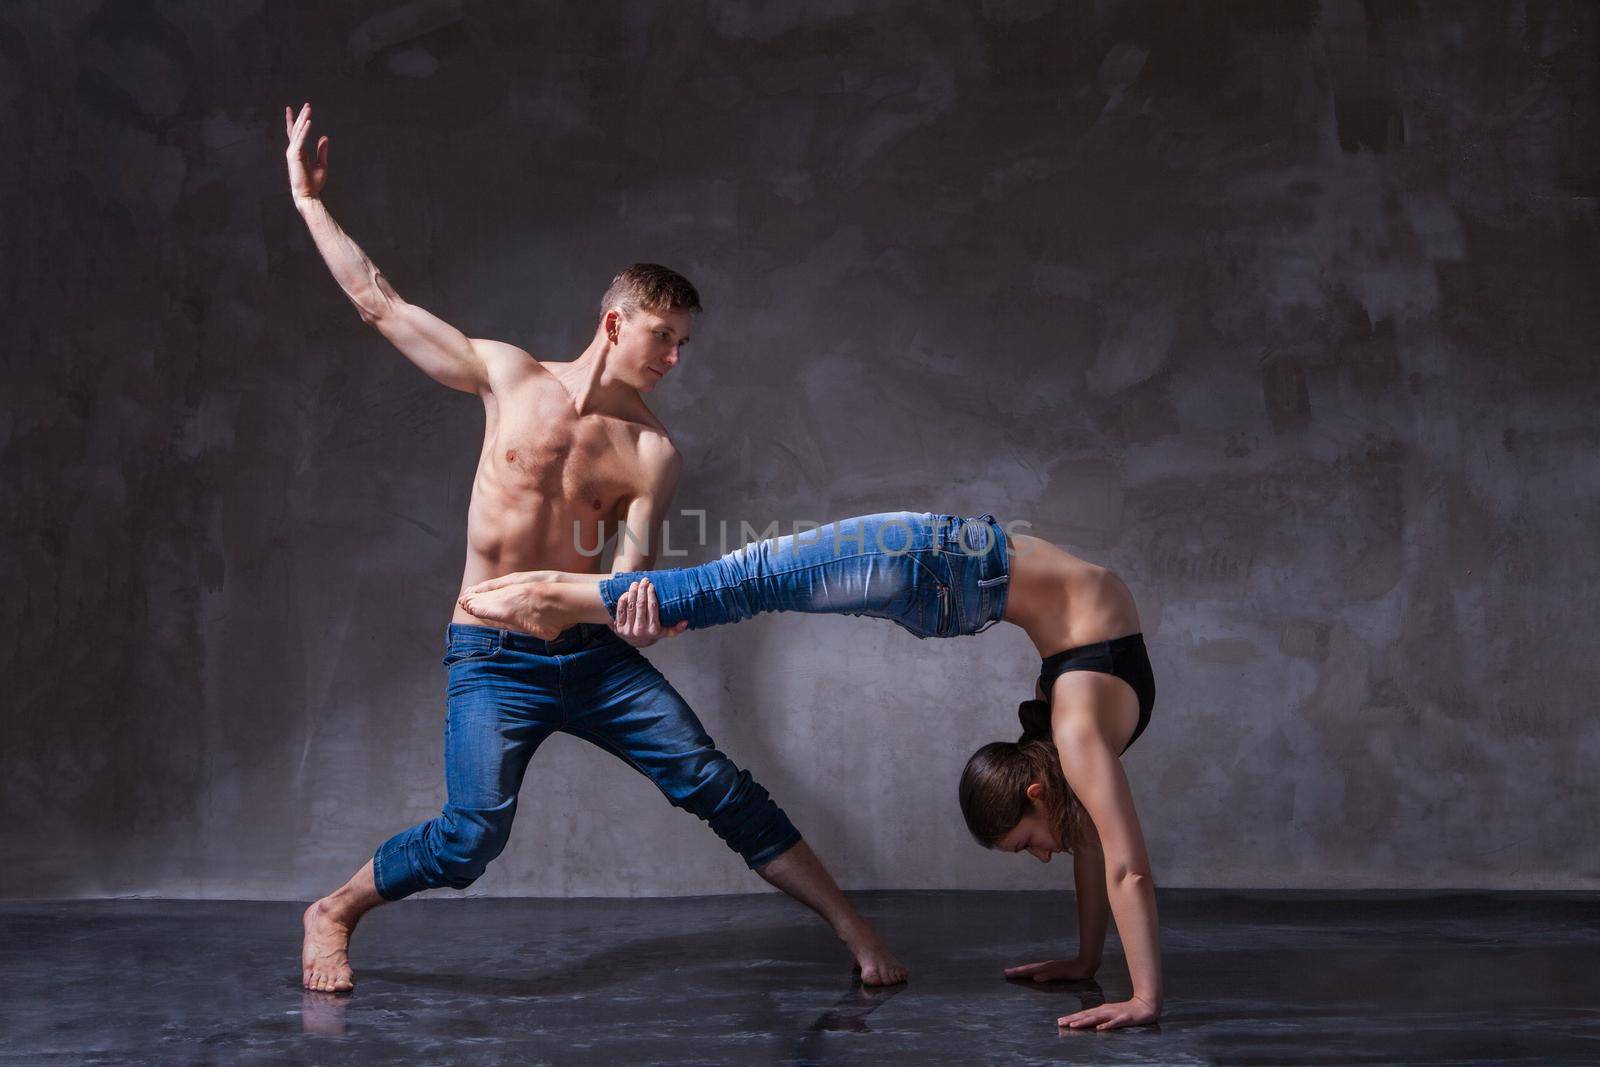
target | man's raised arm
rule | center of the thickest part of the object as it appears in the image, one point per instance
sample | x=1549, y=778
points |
x=443, y=352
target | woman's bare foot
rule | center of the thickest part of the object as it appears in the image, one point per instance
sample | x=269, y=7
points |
x=324, y=954
x=878, y=966
x=531, y=607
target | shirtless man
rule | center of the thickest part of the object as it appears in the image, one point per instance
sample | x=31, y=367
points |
x=568, y=449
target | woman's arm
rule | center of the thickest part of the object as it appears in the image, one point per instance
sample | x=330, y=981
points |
x=1094, y=912
x=1094, y=909
x=1095, y=774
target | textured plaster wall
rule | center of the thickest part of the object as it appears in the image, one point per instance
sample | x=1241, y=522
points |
x=1284, y=311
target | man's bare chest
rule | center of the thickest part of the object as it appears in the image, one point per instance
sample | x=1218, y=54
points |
x=559, y=455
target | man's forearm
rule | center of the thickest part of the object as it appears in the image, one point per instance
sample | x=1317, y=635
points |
x=365, y=287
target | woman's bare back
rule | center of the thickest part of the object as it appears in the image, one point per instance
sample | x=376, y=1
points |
x=1062, y=601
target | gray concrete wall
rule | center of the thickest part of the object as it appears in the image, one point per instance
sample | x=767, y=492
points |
x=1284, y=311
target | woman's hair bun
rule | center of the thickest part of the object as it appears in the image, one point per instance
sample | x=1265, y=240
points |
x=1035, y=718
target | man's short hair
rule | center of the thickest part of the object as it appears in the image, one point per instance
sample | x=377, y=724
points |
x=652, y=287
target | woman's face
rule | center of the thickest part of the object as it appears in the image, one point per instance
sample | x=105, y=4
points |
x=1032, y=834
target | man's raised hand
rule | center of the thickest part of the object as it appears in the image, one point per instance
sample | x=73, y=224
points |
x=304, y=183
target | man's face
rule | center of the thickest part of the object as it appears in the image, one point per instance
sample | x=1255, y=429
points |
x=648, y=344
x=1033, y=835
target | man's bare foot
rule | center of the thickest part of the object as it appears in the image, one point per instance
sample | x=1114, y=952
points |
x=530, y=607
x=878, y=966
x=324, y=954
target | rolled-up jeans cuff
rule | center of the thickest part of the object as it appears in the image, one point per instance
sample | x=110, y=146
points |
x=773, y=851
x=613, y=587
x=383, y=874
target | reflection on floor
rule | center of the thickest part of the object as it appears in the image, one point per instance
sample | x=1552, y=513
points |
x=1251, y=978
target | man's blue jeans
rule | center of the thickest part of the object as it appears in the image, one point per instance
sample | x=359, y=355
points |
x=507, y=692
x=935, y=575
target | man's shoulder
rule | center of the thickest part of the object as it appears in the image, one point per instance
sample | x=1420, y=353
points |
x=655, y=445
x=506, y=363
x=648, y=430
x=504, y=354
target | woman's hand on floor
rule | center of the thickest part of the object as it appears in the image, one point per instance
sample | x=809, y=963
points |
x=1073, y=970
x=1135, y=1012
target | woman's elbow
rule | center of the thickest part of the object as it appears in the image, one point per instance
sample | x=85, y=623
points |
x=1134, y=878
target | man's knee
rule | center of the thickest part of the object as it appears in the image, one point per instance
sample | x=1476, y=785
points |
x=466, y=843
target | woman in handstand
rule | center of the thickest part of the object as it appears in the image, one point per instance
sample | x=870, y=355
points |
x=1059, y=788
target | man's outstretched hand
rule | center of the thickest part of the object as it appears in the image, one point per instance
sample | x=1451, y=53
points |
x=305, y=183
x=638, y=616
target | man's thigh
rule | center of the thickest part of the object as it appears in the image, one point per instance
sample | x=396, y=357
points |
x=627, y=707
x=500, y=708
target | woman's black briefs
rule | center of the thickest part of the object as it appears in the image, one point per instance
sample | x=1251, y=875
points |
x=1121, y=657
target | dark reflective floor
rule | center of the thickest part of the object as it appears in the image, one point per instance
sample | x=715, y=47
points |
x=1251, y=978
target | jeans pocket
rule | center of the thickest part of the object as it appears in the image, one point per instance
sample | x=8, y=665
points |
x=937, y=601
x=462, y=650
x=977, y=537
x=949, y=609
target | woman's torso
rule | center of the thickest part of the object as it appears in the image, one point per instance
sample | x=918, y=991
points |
x=1062, y=601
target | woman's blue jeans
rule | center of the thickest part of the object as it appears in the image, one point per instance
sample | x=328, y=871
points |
x=935, y=575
